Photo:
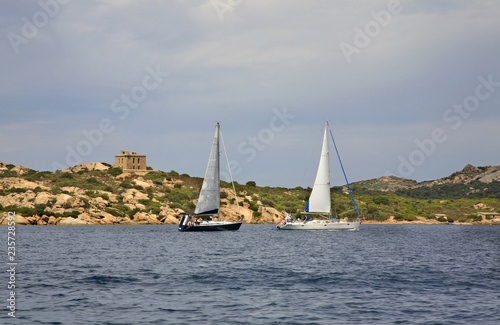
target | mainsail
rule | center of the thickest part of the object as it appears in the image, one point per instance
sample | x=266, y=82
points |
x=209, y=199
x=319, y=201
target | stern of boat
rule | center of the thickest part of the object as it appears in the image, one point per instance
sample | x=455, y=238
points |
x=184, y=223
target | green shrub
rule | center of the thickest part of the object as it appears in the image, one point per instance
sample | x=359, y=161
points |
x=127, y=184
x=132, y=213
x=114, y=212
x=410, y=218
x=381, y=200
x=156, y=177
x=151, y=206
x=66, y=175
x=115, y=171
x=8, y=173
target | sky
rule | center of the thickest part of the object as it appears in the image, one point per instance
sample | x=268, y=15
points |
x=409, y=88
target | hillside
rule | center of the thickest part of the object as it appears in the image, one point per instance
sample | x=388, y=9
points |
x=98, y=193
x=472, y=182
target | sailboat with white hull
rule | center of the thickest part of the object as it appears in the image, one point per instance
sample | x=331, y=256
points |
x=208, y=205
x=319, y=203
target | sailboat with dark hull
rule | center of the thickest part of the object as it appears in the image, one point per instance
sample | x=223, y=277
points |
x=208, y=206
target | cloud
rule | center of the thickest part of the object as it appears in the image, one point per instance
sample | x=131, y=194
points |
x=263, y=55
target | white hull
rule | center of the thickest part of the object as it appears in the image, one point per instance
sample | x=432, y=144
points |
x=319, y=225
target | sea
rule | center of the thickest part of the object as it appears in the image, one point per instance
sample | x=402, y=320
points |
x=153, y=274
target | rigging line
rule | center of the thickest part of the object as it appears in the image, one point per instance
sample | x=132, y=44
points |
x=230, y=174
x=345, y=176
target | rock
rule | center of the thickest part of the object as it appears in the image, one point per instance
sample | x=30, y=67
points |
x=480, y=206
x=66, y=221
x=63, y=200
x=103, y=218
x=21, y=183
x=170, y=220
x=52, y=220
x=33, y=220
x=140, y=182
x=73, y=189
x=43, y=198
x=85, y=217
x=126, y=221
x=10, y=200
x=124, y=175
x=20, y=170
x=87, y=167
x=146, y=218
x=99, y=202
x=133, y=196
x=70, y=221
x=20, y=220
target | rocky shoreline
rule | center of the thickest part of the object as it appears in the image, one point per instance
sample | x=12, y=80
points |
x=148, y=219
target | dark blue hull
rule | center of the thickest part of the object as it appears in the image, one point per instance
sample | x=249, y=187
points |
x=225, y=227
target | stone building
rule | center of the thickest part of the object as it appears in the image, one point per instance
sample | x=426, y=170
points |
x=130, y=161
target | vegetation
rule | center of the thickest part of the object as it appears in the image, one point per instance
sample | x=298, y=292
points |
x=445, y=203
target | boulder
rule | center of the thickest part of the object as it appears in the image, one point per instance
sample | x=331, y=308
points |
x=141, y=182
x=10, y=200
x=20, y=220
x=146, y=218
x=133, y=196
x=70, y=221
x=86, y=167
x=170, y=220
x=33, y=220
x=63, y=199
x=20, y=170
x=85, y=217
x=66, y=221
x=52, y=220
x=99, y=203
x=43, y=198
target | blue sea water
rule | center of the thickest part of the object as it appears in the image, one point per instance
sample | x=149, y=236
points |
x=381, y=274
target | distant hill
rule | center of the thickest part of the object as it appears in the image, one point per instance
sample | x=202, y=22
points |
x=471, y=181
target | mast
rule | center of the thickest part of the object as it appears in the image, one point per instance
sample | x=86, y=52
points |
x=320, y=200
x=217, y=134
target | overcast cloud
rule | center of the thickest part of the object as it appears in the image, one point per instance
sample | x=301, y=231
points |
x=410, y=88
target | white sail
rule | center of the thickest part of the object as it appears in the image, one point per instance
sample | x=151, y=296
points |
x=208, y=201
x=320, y=201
